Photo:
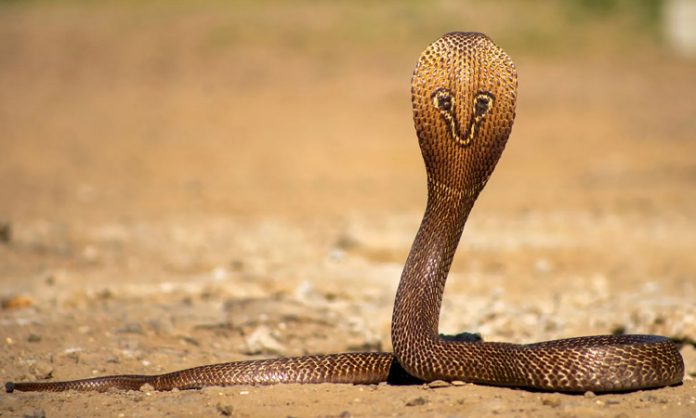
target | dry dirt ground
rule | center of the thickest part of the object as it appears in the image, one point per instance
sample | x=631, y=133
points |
x=176, y=190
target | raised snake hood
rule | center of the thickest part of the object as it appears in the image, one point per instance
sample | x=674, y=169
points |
x=464, y=107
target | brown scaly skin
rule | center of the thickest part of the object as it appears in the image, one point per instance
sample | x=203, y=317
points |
x=464, y=92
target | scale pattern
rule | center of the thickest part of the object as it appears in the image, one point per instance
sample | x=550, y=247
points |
x=464, y=91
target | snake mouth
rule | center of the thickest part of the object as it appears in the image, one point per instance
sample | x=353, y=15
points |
x=445, y=102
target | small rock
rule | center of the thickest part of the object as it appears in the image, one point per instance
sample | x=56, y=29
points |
x=133, y=328
x=146, y=388
x=543, y=266
x=33, y=338
x=263, y=341
x=16, y=302
x=438, y=384
x=346, y=242
x=190, y=340
x=134, y=396
x=551, y=401
x=654, y=399
x=458, y=383
x=219, y=274
x=224, y=410
x=345, y=414
x=304, y=290
x=236, y=265
x=37, y=413
x=590, y=394
x=416, y=402
x=73, y=353
x=688, y=353
x=337, y=255
x=42, y=370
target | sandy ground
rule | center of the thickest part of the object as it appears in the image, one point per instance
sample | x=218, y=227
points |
x=171, y=196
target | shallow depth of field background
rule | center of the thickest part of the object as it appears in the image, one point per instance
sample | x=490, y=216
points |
x=186, y=182
x=131, y=109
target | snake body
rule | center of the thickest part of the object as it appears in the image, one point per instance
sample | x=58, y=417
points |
x=464, y=92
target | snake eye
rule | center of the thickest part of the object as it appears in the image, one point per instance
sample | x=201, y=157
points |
x=483, y=103
x=443, y=100
x=445, y=103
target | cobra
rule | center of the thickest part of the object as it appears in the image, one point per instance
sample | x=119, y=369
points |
x=461, y=80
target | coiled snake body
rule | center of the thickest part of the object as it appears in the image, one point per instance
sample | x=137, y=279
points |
x=464, y=91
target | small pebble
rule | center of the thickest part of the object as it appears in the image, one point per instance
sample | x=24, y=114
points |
x=263, y=340
x=438, y=384
x=543, y=266
x=416, y=402
x=190, y=340
x=551, y=401
x=132, y=328
x=224, y=410
x=655, y=399
x=146, y=388
x=16, y=302
x=37, y=413
x=458, y=383
x=590, y=394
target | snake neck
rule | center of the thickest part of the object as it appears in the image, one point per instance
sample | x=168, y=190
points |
x=419, y=296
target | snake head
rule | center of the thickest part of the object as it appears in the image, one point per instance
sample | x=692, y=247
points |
x=464, y=91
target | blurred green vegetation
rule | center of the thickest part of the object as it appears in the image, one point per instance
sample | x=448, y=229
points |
x=537, y=28
x=642, y=17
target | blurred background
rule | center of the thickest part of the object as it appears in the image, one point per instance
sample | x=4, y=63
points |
x=163, y=161
x=114, y=109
